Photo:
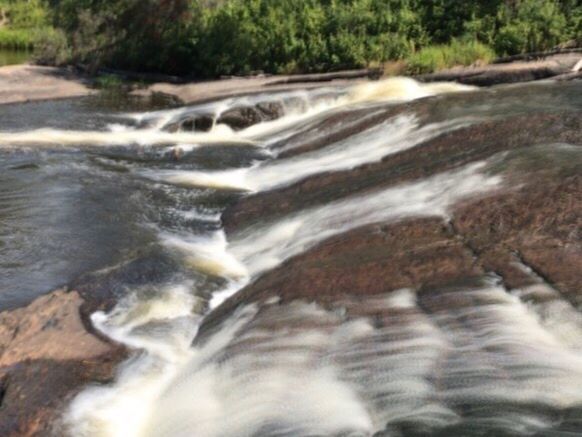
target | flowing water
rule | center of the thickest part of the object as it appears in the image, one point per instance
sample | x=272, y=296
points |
x=91, y=187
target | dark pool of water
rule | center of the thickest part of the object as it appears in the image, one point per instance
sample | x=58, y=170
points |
x=12, y=57
x=60, y=216
x=65, y=213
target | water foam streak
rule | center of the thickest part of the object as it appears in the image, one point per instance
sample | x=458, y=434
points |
x=276, y=370
x=372, y=145
x=298, y=370
x=315, y=103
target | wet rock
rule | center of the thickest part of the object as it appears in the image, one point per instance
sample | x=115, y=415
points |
x=243, y=117
x=271, y=110
x=199, y=123
x=365, y=262
x=240, y=118
x=47, y=355
x=521, y=236
x=101, y=290
x=203, y=123
x=172, y=127
x=531, y=234
x=188, y=125
x=443, y=153
x=527, y=234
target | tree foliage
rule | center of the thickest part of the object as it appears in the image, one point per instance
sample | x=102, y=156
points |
x=208, y=38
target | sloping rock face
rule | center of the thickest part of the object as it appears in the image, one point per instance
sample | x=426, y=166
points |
x=466, y=324
x=560, y=65
x=47, y=354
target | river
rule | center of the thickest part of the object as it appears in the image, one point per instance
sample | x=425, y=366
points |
x=13, y=57
x=234, y=257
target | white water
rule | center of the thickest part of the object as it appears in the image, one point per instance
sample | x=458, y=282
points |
x=267, y=246
x=44, y=137
x=312, y=104
x=305, y=371
x=103, y=411
x=390, y=137
x=297, y=369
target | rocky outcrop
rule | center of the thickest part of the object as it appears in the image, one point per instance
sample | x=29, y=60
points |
x=23, y=83
x=526, y=234
x=243, y=117
x=47, y=354
x=519, y=71
x=237, y=118
x=462, y=146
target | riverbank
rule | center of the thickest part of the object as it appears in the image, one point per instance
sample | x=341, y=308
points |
x=27, y=83
x=48, y=352
x=23, y=83
x=560, y=66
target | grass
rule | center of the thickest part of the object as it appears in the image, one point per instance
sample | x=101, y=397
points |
x=17, y=39
x=109, y=82
x=439, y=57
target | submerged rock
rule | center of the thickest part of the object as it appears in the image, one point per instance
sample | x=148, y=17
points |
x=243, y=117
x=202, y=124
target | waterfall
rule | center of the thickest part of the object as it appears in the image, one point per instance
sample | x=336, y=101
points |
x=401, y=359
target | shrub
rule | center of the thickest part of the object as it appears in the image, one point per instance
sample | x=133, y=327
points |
x=16, y=39
x=209, y=38
x=531, y=25
x=51, y=47
x=433, y=58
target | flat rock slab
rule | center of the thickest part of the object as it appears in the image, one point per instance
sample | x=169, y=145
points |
x=199, y=92
x=24, y=83
x=494, y=74
x=46, y=356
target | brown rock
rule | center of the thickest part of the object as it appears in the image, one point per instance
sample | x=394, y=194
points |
x=203, y=123
x=240, y=118
x=271, y=110
x=46, y=356
x=514, y=72
x=246, y=116
x=443, y=153
x=23, y=83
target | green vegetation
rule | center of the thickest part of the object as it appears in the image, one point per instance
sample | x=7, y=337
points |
x=22, y=23
x=438, y=57
x=108, y=82
x=16, y=39
x=209, y=38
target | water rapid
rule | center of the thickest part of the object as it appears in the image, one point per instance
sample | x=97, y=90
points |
x=400, y=362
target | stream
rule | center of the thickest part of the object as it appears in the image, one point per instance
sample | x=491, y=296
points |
x=106, y=193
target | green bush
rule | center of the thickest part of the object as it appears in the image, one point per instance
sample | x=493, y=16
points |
x=27, y=19
x=209, y=38
x=16, y=39
x=109, y=82
x=531, y=25
x=433, y=58
x=30, y=14
x=51, y=47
